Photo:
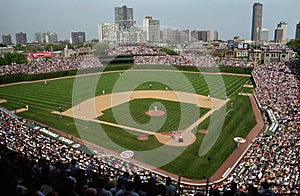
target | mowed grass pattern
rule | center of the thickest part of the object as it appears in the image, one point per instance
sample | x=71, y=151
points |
x=175, y=119
x=43, y=99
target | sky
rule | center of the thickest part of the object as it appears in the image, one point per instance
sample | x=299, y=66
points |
x=229, y=17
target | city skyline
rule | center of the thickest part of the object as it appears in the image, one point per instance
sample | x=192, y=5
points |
x=230, y=18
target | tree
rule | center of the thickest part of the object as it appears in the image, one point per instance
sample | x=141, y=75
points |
x=88, y=45
x=28, y=48
x=13, y=57
x=19, y=47
x=56, y=47
x=294, y=44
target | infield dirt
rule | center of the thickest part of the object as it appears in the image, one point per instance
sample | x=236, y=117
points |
x=92, y=108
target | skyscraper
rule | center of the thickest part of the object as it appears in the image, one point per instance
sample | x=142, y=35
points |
x=42, y=37
x=200, y=35
x=283, y=25
x=78, y=37
x=168, y=34
x=39, y=37
x=264, y=34
x=297, y=31
x=108, y=32
x=6, y=39
x=51, y=37
x=278, y=35
x=178, y=35
x=256, y=21
x=152, y=29
x=131, y=36
x=21, y=38
x=216, y=36
x=124, y=17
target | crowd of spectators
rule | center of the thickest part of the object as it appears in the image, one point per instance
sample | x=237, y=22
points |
x=133, y=50
x=162, y=60
x=51, y=65
x=145, y=55
x=34, y=164
x=203, y=61
x=275, y=158
x=237, y=62
x=141, y=55
x=31, y=161
x=193, y=60
x=275, y=46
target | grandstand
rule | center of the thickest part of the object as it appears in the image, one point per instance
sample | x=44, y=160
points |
x=32, y=152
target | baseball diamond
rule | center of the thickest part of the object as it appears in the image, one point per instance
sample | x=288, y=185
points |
x=59, y=93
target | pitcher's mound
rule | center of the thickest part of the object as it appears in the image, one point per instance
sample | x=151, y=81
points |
x=203, y=131
x=155, y=113
x=142, y=137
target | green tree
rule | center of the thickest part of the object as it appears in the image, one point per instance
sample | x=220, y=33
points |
x=19, y=47
x=56, y=46
x=33, y=48
x=13, y=57
x=294, y=44
x=88, y=45
x=28, y=48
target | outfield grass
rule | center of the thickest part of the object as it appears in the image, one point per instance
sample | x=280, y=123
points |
x=43, y=99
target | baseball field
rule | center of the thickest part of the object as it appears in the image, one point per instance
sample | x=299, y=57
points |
x=145, y=111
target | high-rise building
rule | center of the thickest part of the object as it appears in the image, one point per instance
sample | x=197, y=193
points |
x=39, y=37
x=51, y=37
x=124, y=17
x=78, y=37
x=180, y=35
x=200, y=35
x=256, y=21
x=278, y=37
x=208, y=36
x=184, y=35
x=283, y=25
x=132, y=35
x=297, y=36
x=6, y=39
x=21, y=38
x=108, y=32
x=168, y=34
x=42, y=37
x=264, y=34
x=194, y=35
x=216, y=36
x=152, y=29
